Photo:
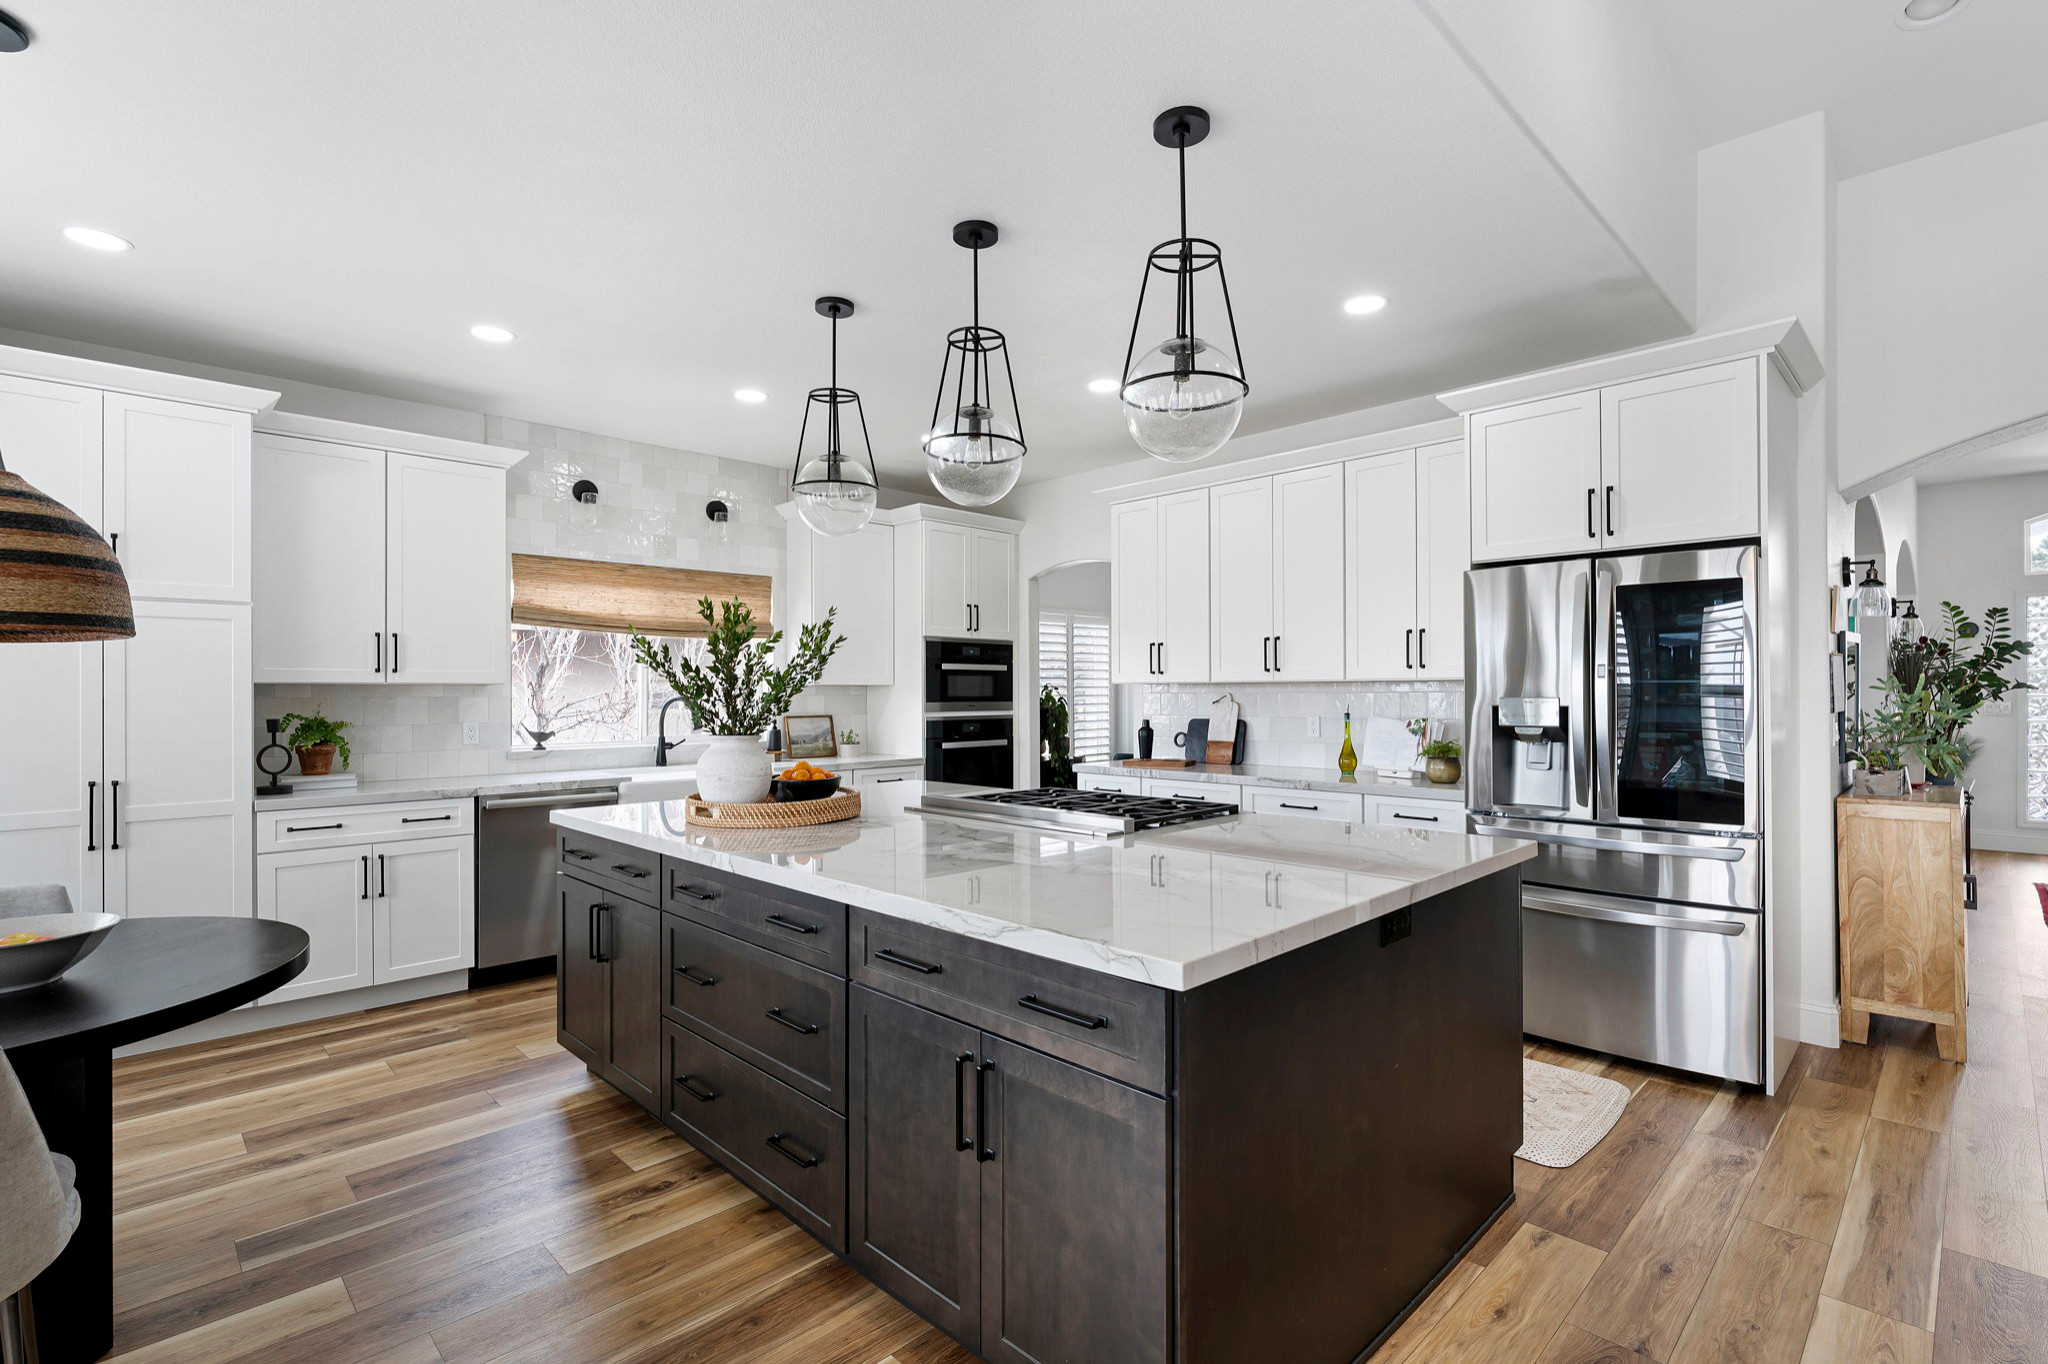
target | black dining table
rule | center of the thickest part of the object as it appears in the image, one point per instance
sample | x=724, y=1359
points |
x=150, y=977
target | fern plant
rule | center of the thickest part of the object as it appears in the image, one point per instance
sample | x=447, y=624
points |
x=737, y=689
x=311, y=731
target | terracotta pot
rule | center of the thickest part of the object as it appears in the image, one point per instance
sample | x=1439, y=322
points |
x=1444, y=771
x=316, y=761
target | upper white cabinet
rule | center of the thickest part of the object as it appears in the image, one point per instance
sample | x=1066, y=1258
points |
x=1666, y=460
x=1406, y=553
x=1276, y=549
x=1159, y=589
x=994, y=598
x=852, y=575
x=967, y=580
x=377, y=564
x=177, y=498
x=1241, y=602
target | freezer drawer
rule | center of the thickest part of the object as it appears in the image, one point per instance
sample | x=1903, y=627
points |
x=1674, y=985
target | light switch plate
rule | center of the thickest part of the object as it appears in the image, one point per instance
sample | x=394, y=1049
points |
x=470, y=734
x=2002, y=706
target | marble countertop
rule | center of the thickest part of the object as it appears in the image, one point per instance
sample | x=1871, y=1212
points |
x=511, y=783
x=1176, y=908
x=1288, y=779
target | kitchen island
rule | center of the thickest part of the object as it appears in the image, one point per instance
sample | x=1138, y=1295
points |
x=1242, y=1088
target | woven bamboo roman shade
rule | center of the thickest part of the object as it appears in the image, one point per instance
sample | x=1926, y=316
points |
x=588, y=594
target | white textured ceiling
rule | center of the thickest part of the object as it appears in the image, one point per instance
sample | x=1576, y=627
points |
x=650, y=193
x=1891, y=94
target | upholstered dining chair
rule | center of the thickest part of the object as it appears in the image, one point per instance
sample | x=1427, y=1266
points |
x=19, y=902
x=38, y=1207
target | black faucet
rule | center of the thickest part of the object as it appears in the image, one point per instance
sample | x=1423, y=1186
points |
x=662, y=743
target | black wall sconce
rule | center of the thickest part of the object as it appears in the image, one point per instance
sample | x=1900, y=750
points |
x=1871, y=599
x=585, y=492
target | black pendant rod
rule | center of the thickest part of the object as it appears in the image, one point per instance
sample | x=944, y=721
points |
x=832, y=417
x=1184, y=284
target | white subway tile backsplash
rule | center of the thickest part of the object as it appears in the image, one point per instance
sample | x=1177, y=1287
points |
x=1276, y=715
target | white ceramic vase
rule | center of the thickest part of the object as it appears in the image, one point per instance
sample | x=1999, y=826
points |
x=733, y=770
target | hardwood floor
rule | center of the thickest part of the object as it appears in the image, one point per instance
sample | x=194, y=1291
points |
x=440, y=1182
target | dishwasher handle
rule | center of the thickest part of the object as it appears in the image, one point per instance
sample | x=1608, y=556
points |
x=610, y=797
x=1585, y=908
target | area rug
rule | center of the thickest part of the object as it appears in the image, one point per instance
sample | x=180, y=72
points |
x=2041, y=889
x=1565, y=1112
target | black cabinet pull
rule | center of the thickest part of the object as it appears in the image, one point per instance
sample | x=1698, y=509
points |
x=92, y=801
x=878, y=781
x=1422, y=647
x=702, y=1096
x=1592, y=527
x=394, y=653
x=793, y=1023
x=1276, y=653
x=699, y=896
x=790, y=1153
x=603, y=917
x=366, y=878
x=380, y=876
x=1419, y=819
x=590, y=932
x=379, y=637
x=421, y=819
x=1031, y=1002
x=894, y=958
x=791, y=924
x=1610, y=509
x=1408, y=648
x=1265, y=650
x=114, y=816
x=1285, y=806
x=985, y=1152
x=308, y=828
x=696, y=977
x=961, y=1141
x=579, y=854
x=635, y=872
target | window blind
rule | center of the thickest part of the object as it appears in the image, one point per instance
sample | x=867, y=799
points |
x=591, y=594
x=1073, y=656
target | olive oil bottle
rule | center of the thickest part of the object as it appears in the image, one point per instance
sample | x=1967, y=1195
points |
x=1347, y=756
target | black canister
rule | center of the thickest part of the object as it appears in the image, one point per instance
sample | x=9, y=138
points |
x=1145, y=739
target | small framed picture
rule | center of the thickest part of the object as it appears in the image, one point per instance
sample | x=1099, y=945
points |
x=810, y=736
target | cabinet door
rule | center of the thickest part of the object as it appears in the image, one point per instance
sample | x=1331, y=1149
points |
x=948, y=574
x=1241, y=559
x=50, y=769
x=1680, y=455
x=1443, y=554
x=995, y=584
x=1379, y=566
x=1184, y=586
x=1308, y=540
x=325, y=891
x=179, y=762
x=425, y=907
x=630, y=943
x=914, y=1205
x=319, y=551
x=582, y=1005
x=177, y=480
x=1135, y=629
x=446, y=576
x=1536, y=478
x=855, y=575
x=1075, y=1251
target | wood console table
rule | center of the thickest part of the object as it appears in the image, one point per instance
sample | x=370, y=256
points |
x=1904, y=888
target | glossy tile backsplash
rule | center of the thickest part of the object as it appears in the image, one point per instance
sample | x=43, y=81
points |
x=1276, y=716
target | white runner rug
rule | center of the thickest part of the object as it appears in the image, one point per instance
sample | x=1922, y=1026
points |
x=1566, y=1112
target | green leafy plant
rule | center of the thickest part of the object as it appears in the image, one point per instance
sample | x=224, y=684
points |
x=1941, y=681
x=1443, y=748
x=1056, y=760
x=1875, y=742
x=847, y=736
x=737, y=689
x=311, y=731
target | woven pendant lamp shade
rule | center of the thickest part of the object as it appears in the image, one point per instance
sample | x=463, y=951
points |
x=58, y=579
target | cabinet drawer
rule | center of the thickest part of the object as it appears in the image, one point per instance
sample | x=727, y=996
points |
x=1115, y=1026
x=1447, y=815
x=282, y=830
x=787, y=1018
x=1103, y=781
x=886, y=776
x=1343, y=805
x=1196, y=790
x=636, y=874
x=801, y=926
x=778, y=1142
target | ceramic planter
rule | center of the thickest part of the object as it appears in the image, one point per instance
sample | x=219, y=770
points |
x=316, y=761
x=1894, y=783
x=1444, y=771
x=734, y=770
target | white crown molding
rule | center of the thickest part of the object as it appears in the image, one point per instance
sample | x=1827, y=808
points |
x=1281, y=461
x=143, y=383
x=918, y=512
x=1784, y=340
x=384, y=438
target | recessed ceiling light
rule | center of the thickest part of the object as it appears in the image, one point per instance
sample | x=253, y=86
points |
x=1364, y=304
x=750, y=395
x=497, y=336
x=95, y=240
x=1102, y=385
x=1928, y=13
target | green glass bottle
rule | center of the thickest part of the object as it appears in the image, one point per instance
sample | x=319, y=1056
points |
x=1347, y=756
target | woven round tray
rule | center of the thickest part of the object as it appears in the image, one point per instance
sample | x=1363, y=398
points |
x=773, y=814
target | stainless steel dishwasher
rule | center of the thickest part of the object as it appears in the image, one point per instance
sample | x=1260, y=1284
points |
x=518, y=930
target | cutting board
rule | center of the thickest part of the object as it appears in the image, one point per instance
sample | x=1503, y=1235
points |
x=1226, y=752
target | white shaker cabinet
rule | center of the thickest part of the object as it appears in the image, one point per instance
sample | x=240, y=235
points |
x=1680, y=457
x=320, y=543
x=1443, y=553
x=993, y=556
x=1381, y=565
x=968, y=581
x=1308, y=573
x=1135, y=583
x=854, y=576
x=177, y=498
x=1159, y=589
x=1242, y=581
x=1536, y=478
x=423, y=909
x=326, y=892
x=447, y=580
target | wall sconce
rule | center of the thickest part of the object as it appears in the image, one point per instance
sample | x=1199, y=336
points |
x=1906, y=627
x=718, y=511
x=583, y=504
x=585, y=492
x=1871, y=599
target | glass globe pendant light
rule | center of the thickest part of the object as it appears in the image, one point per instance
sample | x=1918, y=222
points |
x=1182, y=399
x=973, y=452
x=834, y=495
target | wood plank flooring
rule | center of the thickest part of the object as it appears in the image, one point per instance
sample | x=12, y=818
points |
x=438, y=1183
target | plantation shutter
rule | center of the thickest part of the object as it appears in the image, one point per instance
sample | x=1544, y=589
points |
x=1073, y=656
x=590, y=594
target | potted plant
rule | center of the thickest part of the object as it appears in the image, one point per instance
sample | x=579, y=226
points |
x=1876, y=747
x=1440, y=758
x=1941, y=681
x=1056, y=756
x=736, y=692
x=849, y=744
x=316, y=739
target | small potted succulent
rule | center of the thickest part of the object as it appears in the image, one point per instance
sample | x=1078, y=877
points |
x=849, y=743
x=1877, y=746
x=316, y=740
x=1440, y=758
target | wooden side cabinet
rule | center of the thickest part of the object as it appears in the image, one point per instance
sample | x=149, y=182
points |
x=1903, y=898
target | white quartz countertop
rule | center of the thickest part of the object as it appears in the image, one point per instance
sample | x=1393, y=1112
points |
x=1288, y=779
x=514, y=783
x=1176, y=908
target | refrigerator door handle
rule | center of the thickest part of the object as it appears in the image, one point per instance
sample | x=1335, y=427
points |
x=1588, y=909
x=1580, y=650
x=1732, y=851
x=1602, y=688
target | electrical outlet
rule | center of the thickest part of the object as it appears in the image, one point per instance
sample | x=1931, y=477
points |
x=470, y=733
x=1315, y=726
x=2002, y=706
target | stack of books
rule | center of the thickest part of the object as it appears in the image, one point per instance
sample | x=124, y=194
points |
x=333, y=781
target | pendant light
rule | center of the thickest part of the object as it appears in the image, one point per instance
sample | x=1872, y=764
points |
x=973, y=452
x=1182, y=399
x=59, y=581
x=834, y=495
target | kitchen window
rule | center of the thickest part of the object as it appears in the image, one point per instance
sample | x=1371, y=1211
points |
x=2036, y=546
x=1073, y=657
x=2036, y=793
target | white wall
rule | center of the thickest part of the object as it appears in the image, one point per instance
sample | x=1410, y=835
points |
x=1944, y=301
x=1969, y=553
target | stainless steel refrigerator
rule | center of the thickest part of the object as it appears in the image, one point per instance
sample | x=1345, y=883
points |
x=1612, y=718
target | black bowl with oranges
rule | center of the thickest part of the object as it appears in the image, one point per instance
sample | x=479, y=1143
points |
x=804, y=782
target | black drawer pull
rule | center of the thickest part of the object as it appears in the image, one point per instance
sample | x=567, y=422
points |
x=1285, y=806
x=879, y=781
x=984, y=1151
x=579, y=854
x=923, y=968
x=790, y=1153
x=1063, y=1015
x=637, y=873
x=791, y=924
x=1419, y=819
x=961, y=1141
x=308, y=828
x=702, y=1096
x=793, y=1023
x=425, y=819
x=696, y=977
x=699, y=896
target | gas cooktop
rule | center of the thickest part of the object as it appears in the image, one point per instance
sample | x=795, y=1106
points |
x=1099, y=813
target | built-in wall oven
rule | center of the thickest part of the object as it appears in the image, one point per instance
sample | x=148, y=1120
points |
x=959, y=676
x=968, y=751
x=1613, y=721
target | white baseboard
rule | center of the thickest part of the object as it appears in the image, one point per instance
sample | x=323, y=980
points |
x=235, y=1022
x=1997, y=841
x=1820, y=1023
